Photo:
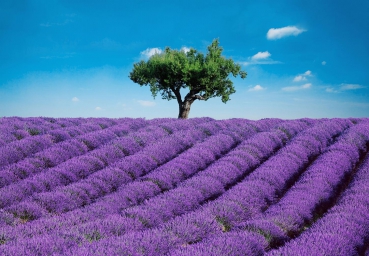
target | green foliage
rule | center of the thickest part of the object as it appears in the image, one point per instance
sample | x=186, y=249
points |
x=103, y=126
x=94, y=236
x=225, y=225
x=2, y=239
x=33, y=131
x=206, y=76
x=24, y=216
x=88, y=144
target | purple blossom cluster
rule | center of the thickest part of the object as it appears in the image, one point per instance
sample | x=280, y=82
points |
x=18, y=128
x=286, y=218
x=124, y=170
x=17, y=150
x=261, y=188
x=29, y=145
x=61, y=152
x=80, y=167
x=100, y=186
x=169, y=175
x=343, y=230
x=182, y=139
x=190, y=194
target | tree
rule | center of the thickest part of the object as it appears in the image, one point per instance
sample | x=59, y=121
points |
x=205, y=76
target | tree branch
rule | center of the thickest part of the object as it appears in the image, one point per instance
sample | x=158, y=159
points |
x=177, y=94
x=192, y=96
x=199, y=97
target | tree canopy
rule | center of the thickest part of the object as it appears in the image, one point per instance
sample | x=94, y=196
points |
x=206, y=76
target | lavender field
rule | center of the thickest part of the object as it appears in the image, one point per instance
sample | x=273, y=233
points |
x=100, y=186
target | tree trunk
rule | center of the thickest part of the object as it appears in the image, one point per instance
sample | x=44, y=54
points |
x=184, y=109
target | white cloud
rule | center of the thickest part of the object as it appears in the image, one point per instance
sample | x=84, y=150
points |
x=261, y=58
x=291, y=88
x=146, y=103
x=323, y=63
x=299, y=78
x=306, y=86
x=185, y=49
x=75, y=99
x=256, y=88
x=266, y=62
x=261, y=55
x=150, y=52
x=307, y=73
x=331, y=90
x=297, y=88
x=302, y=77
x=346, y=87
x=278, y=33
x=97, y=108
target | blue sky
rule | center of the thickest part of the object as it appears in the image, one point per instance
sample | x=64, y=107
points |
x=72, y=58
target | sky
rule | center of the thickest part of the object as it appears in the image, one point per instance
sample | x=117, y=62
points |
x=68, y=58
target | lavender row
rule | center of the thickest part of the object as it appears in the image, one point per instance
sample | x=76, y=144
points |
x=262, y=188
x=95, y=125
x=93, y=236
x=251, y=196
x=84, y=192
x=151, y=189
x=52, y=156
x=266, y=185
x=16, y=128
x=23, y=229
x=111, y=179
x=187, y=197
x=18, y=150
x=80, y=167
x=168, y=179
x=16, y=123
x=170, y=174
x=13, y=129
x=343, y=230
x=320, y=183
x=59, y=153
x=196, y=190
x=286, y=218
x=181, y=231
x=154, y=240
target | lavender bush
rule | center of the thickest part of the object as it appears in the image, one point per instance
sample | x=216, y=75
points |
x=100, y=186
